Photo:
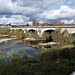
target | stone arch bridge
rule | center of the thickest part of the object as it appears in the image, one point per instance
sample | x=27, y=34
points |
x=41, y=29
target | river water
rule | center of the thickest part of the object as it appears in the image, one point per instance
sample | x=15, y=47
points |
x=21, y=50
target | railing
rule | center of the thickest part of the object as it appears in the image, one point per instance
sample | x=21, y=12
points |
x=43, y=26
x=24, y=26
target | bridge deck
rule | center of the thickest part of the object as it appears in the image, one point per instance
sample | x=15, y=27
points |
x=46, y=27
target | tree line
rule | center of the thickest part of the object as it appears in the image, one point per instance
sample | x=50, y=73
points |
x=36, y=23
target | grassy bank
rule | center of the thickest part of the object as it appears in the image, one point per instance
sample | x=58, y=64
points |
x=3, y=42
x=53, y=62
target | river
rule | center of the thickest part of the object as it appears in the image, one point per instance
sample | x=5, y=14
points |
x=21, y=50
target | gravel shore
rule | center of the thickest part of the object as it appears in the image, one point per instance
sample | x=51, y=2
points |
x=6, y=39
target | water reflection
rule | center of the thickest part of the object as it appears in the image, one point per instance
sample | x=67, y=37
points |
x=20, y=49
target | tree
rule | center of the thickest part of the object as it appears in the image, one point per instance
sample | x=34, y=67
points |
x=27, y=24
x=45, y=24
x=70, y=39
x=9, y=24
x=27, y=33
x=34, y=23
x=5, y=31
x=13, y=33
x=65, y=36
x=62, y=24
x=62, y=38
x=46, y=36
x=57, y=36
x=38, y=23
x=73, y=35
x=19, y=33
x=48, y=60
x=23, y=35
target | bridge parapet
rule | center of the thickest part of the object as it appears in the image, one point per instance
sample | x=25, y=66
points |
x=46, y=27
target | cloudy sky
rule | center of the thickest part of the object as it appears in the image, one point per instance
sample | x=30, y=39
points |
x=44, y=11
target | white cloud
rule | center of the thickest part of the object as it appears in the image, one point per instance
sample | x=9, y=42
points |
x=27, y=6
x=14, y=19
x=7, y=6
x=68, y=21
x=39, y=3
x=63, y=12
x=4, y=7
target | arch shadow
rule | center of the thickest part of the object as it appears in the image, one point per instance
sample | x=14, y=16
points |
x=47, y=34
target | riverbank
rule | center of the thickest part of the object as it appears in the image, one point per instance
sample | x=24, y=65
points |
x=6, y=39
x=30, y=39
x=44, y=44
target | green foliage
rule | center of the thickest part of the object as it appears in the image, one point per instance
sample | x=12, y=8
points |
x=57, y=37
x=53, y=62
x=68, y=53
x=48, y=60
x=9, y=34
x=5, y=31
x=35, y=23
x=19, y=33
x=70, y=39
x=73, y=35
x=62, y=38
x=23, y=35
x=46, y=36
x=58, y=62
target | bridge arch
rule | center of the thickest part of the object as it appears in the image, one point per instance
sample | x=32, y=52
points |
x=47, y=34
x=45, y=29
x=20, y=29
x=13, y=29
x=49, y=31
x=31, y=30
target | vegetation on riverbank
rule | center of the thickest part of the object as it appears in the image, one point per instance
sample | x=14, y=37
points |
x=2, y=42
x=4, y=54
x=53, y=62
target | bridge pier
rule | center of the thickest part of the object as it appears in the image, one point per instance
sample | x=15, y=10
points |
x=39, y=32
